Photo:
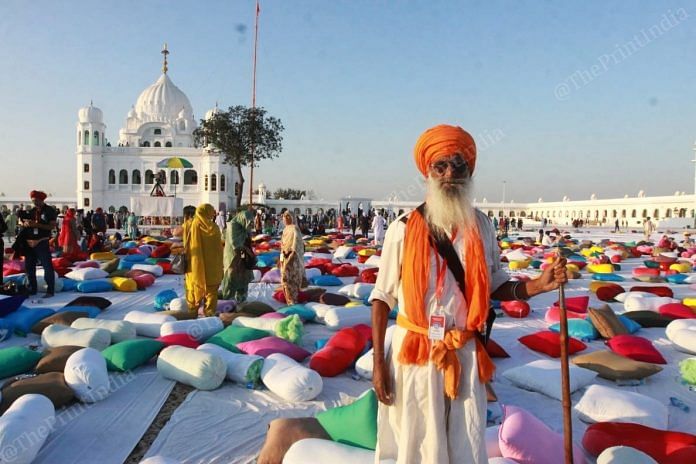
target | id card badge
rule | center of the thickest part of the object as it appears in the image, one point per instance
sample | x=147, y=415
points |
x=436, y=327
x=36, y=231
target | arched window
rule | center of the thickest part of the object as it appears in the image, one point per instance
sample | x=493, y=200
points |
x=168, y=144
x=135, y=177
x=86, y=138
x=157, y=144
x=174, y=177
x=645, y=213
x=613, y=214
x=633, y=213
x=668, y=213
x=79, y=137
x=96, y=138
x=623, y=213
x=206, y=182
x=190, y=177
x=213, y=182
x=222, y=182
x=146, y=144
x=123, y=177
x=656, y=213
x=182, y=125
x=162, y=176
x=112, y=177
x=149, y=177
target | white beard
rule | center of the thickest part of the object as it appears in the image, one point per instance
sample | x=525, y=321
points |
x=449, y=205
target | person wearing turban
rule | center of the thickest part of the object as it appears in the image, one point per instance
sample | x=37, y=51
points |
x=204, y=273
x=37, y=227
x=431, y=381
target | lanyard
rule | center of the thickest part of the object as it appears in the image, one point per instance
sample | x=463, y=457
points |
x=441, y=269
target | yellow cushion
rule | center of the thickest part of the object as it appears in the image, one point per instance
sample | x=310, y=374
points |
x=517, y=265
x=102, y=256
x=682, y=268
x=367, y=252
x=600, y=268
x=690, y=301
x=124, y=284
x=572, y=268
x=504, y=245
x=597, y=284
x=352, y=303
x=317, y=242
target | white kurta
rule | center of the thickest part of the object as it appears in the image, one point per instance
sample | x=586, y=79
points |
x=378, y=223
x=423, y=426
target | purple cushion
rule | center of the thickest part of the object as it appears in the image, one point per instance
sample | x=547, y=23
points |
x=84, y=264
x=528, y=440
x=272, y=276
x=268, y=345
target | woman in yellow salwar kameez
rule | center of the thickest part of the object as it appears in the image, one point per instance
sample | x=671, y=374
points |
x=203, y=242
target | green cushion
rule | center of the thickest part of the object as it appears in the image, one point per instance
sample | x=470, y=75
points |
x=232, y=335
x=355, y=424
x=129, y=354
x=688, y=370
x=17, y=360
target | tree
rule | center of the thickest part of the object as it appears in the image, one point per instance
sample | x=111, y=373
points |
x=289, y=194
x=241, y=134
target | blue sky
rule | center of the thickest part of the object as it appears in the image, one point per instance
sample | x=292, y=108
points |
x=564, y=99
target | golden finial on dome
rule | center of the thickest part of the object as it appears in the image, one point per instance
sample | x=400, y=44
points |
x=165, y=52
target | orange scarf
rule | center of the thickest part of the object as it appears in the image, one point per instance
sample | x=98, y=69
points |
x=415, y=270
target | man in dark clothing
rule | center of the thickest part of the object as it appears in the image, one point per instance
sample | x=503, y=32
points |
x=353, y=223
x=39, y=223
x=364, y=225
x=99, y=222
x=3, y=229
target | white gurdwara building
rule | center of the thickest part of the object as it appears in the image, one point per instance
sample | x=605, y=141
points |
x=159, y=126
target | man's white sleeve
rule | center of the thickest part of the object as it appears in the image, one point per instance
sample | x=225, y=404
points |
x=387, y=285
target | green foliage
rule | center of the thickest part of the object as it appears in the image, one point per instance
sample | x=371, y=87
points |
x=289, y=194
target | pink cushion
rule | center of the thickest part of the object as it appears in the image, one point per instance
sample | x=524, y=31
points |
x=273, y=315
x=84, y=264
x=268, y=345
x=636, y=348
x=553, y=315
x=528, y=440
x=144, y=280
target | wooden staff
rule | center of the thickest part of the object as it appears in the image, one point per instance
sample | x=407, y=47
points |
x=565, y=376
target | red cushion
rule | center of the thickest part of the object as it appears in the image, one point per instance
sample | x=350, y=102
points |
x=61, y=262
x=279, y=295
x=316, y=263
x=369, y=275
x=549, y=343
x=181, y=339
x=61, y=271
x=577, y=304
x=495, y=351
x=121, y=251
x=636, y=348
x=664, y=446
x=646, y=272
x=345, y=270
x=515, y=308
x=362, y=259
x=144, y=280
x=166, y=266
x=677, y=311
x=339, y=353
x=609, y=292
x=657, y=290
x=161, y=251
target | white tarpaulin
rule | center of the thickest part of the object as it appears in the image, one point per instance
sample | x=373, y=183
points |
x=157, y=206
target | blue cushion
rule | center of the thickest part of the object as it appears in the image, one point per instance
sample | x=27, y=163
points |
x=631, y=325
x=129, y=245
x=163, y=298
x=24, y=319
x=69, y=285
x=327, y=281
x=319, y=344
x=92, y=311
x=578, y=328
x=95, y=286
x=5, y=330
x=125, y=265
x=136, y=258
x=305, y=313
x=16, y=278
x=264, y=262
x=677, y=278
x=11, y=304
x=607, y=277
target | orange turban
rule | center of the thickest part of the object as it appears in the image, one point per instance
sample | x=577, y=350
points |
x=441, y=141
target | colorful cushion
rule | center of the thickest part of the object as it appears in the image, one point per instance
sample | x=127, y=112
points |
x=198, y=369
x=201, y=329
x=578, y=328
x=17, y=360
x=58, y=335
x=354, y=424
x=577, y=304
x=677, y=311
x=636, y=348
x=51, y=385
x=255, y=308
x=339, y=353
x=553, y=315
x=129, y=354
x=268, y=345
x=233, y=335
x=163, y=298
x=179, y=339
x=54, y=359
x=687, y=368
x=144, y=280
x=85, y=372
x=86, y=273
x=11, y=304
x=683, y=334
x=649, y=318
x=606, y=322
x=91, y=311
x=612, y=366
x=542, y=376
x=98, y=301
x=305, y=313
x=120, y=330
x=244, y=369
x=631, y=325
x=655, y=290
x=23, y=319
x=124, y=284
x=494, y=350
x=609, y=292
x=515, y=308
x=604, y=404
x=95, y=286
x=288, y=379
x=549, y=343
x=62, y=318
x=608, y=277
x=547, y=447
x=666, y=447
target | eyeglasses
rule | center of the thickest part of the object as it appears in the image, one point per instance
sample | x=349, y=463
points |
x=458, y=166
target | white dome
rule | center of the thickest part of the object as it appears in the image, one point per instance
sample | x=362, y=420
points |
x=211, y=112
x=162, y=101
x=90, y=114
x=132, y=113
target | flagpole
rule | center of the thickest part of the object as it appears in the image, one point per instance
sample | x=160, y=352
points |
x=253, y=102
x=565, y=375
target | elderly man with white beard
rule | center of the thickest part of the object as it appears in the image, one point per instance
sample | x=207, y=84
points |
x=441, y=265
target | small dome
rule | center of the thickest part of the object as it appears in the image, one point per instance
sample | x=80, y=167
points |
x=90, y=114
x=132, y=113
x=211, y=112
